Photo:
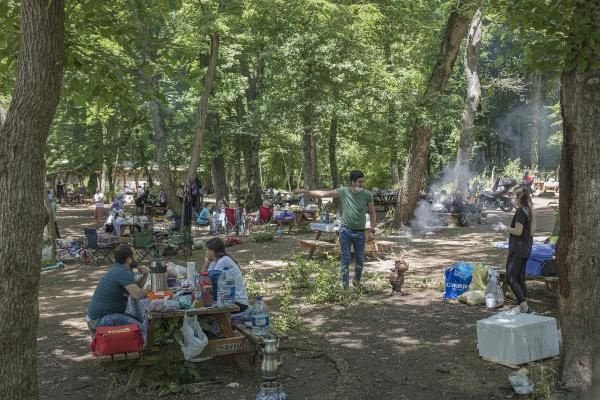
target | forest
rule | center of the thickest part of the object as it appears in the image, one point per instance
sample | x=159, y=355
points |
x=256, y=94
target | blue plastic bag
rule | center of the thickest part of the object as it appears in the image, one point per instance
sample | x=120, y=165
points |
x=458, y=278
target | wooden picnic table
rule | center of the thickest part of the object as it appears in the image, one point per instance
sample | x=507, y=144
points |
x=372, y=248
x=233, y=344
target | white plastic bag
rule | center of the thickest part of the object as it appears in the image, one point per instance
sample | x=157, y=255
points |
x=194, y=340
x=494, y=297
x=47, y=251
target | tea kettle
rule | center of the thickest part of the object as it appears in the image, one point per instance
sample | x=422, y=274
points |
x=158, y=275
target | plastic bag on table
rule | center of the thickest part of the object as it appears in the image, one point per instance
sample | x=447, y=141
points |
x=193, y=339
x=494, y=297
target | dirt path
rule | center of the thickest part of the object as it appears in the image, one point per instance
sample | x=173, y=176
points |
x=405, y=347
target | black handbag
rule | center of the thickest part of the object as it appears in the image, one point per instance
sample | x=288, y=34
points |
x=549, y=268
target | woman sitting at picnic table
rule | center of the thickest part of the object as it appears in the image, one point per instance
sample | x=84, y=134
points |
x=218, y=261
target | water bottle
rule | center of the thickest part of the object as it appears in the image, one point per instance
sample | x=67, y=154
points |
x=260, y=318
x=301, y=203
x=226, y=288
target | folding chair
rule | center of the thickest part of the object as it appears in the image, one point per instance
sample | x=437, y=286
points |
x=183, y=243
x=264, y=214
x=143, y=243
x=235, y=220
x=99, y=248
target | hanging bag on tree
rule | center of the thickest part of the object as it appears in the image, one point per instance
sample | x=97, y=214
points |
x=193, y=340
x=494, y=297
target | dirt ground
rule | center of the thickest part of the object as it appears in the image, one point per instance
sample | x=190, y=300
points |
x=404, y=347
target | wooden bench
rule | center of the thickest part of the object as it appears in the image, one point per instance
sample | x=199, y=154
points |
x=551, y=282
x=374, y=248
x=257, y=340
x=318, y=244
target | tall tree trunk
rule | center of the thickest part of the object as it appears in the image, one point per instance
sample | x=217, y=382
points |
x=461, y=168
x=51, y=225
x=160, y=145
x=536, y=105
x=237, y=173
x=315, y=159
x=22, y=215
x=252, y=140
x=333, y=168
x=218, y=172
x=2, y=116
x=416, y=164
x=307, y=148
x=578, y=249
x=203, y=106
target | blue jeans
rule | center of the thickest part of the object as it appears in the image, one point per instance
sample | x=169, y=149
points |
x=352, y=238
x=114, y=320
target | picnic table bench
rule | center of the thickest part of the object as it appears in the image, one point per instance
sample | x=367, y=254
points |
x=233, y=344
x=372, y=249
x=551, y=282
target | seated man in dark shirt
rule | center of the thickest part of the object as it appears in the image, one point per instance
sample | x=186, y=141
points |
x=109, y=301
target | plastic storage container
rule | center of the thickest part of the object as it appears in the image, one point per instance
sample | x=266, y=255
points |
x=517, y=339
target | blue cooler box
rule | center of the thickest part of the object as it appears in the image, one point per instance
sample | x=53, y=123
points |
x=539, y=254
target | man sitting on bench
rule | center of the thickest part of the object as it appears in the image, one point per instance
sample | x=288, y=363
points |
x=109, y=301
x=354, y=202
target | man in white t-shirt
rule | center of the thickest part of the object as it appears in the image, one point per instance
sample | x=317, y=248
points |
x=99, y=210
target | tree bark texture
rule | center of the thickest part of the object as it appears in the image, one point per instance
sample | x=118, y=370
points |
x=333, y=168
x=461, y=168
x=160, y=148
x=578, y=249
x=536, y=105
x=203, y=106
x=22, y=214
x=308, y=152
x=251, y=141
x=218, y=171
x=416, y=163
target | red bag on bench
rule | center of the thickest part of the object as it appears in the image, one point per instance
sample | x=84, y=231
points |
x=117, y=339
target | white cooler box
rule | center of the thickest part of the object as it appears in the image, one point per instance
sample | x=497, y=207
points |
x=517, y=339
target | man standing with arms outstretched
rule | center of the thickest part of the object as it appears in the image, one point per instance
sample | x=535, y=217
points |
x=354, y=202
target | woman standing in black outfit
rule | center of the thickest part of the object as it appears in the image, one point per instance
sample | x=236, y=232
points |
x=519, y=246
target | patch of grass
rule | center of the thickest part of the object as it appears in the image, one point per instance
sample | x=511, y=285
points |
x=544, y=382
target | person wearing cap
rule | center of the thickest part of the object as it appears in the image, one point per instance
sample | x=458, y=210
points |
x=355, y=201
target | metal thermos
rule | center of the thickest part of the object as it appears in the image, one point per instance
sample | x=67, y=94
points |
x=158, y=275
x=270, y=363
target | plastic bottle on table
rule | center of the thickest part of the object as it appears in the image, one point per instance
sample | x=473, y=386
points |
x=301, y=203
x=260, y=317
x=226, y=288
x=206, y=289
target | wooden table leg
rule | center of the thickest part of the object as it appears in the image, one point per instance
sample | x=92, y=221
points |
x=240, y=359
x=312, y=249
